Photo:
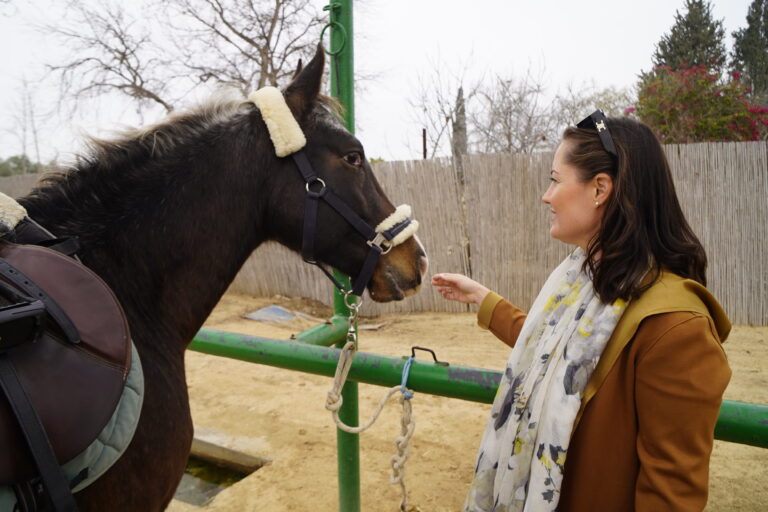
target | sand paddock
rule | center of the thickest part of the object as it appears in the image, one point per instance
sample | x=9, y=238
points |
x=280, y=415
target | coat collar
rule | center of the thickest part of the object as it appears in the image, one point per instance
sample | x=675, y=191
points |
x=669, y=293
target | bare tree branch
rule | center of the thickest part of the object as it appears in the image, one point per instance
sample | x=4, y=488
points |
x=157, y=51
x=435, y=104
x=246, y=43
x=512, y=116
x=114, y=54
x=506, y=114
x=575, y=103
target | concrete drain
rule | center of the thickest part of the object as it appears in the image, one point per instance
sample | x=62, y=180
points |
x=212, y=468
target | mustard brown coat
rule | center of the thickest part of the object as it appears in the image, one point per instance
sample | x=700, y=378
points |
x=644, y=433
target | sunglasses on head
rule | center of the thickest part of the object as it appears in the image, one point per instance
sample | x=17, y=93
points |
x=597, y=121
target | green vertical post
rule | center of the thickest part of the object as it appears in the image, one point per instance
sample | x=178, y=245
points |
x=342, y=59
x=347, y=445
x=343, y=89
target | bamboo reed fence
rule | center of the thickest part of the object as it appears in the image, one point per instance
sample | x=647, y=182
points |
x=494, y=227
x=486, y=220
x=19, y=185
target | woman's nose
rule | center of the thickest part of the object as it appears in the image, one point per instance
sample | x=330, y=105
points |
x=545, y=197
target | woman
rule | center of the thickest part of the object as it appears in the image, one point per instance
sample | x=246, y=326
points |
x=613, y=387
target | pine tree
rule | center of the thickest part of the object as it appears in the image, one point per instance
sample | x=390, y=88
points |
x=695, y=39
x=750, y=50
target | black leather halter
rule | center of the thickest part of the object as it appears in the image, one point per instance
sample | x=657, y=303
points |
x=379, y=242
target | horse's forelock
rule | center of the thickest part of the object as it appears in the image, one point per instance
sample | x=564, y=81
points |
x=328, y=110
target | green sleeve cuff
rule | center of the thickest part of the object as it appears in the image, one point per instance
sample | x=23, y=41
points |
x=486, y=309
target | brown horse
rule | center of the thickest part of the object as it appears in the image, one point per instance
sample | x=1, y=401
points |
x=168, y=215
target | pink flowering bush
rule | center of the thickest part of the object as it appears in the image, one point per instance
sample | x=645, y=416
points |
x=695, y=105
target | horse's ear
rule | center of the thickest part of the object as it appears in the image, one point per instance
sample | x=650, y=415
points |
x=298, y=70
x=305, y=85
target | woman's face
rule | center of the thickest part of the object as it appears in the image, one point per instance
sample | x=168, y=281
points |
x=575, y=214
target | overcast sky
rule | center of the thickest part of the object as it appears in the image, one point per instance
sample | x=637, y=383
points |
x=605, y=43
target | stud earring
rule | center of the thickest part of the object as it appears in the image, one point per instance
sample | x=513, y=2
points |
x=597, y=203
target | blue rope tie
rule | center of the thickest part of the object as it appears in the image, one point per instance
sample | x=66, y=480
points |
x=404, y=381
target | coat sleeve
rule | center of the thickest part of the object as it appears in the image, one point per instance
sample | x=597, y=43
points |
x=681, y=377
x=500, y=317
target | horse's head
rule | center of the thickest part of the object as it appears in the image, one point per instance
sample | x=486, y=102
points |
x=339, y=160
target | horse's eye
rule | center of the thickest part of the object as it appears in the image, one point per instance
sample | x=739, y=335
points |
x=354, y=158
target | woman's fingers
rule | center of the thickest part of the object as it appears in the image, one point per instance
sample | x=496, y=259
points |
x=438, y=280
x=455, y=287
x=443, y=280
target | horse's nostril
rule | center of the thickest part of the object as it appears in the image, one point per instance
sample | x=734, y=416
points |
x=423, y=266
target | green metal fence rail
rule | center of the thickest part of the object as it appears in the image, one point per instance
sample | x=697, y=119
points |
x=739, y=422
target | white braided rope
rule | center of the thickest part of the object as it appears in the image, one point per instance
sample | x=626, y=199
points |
x=407, y=427
x=334, y=401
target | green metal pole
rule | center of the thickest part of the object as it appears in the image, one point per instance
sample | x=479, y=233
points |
x=347, y=445
x=343, y=58
x=343, y=89
x=463, y=382
x=739, y=422
x=330, y=333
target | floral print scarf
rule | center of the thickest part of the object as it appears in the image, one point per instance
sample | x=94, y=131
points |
x=521, y=458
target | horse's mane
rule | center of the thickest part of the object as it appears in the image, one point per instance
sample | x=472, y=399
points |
x=133, y=157
x=176, y=129
x=137, y=155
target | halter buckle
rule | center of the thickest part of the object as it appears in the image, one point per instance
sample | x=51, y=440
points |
x=381, y=242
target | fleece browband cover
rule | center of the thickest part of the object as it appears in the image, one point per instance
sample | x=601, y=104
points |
x=283, y=129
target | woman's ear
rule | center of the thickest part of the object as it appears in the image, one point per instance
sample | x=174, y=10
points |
x=603, y=187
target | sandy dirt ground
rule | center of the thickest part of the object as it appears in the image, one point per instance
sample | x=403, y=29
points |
x=280, y=415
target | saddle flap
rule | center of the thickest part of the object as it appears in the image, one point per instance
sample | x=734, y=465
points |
x=73, y=387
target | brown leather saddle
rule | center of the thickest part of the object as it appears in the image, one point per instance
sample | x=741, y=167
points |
x=64, y=335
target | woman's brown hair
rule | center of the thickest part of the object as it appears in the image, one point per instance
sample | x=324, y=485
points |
x=643, y=227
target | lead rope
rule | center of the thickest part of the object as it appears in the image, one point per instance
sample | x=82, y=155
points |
x=334, y=400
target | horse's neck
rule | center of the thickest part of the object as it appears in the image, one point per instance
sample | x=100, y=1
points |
x=169, y=266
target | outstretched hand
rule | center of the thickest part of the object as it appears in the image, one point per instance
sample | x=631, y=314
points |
x=460, y=288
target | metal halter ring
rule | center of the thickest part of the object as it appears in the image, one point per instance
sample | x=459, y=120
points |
x=355, y=306
x=319, y=192
x=379, y=241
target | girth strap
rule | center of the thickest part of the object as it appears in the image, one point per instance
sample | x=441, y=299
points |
x=26, y=284
x=37, y=440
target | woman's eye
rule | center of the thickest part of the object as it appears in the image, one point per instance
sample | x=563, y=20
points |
x=354, y=158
